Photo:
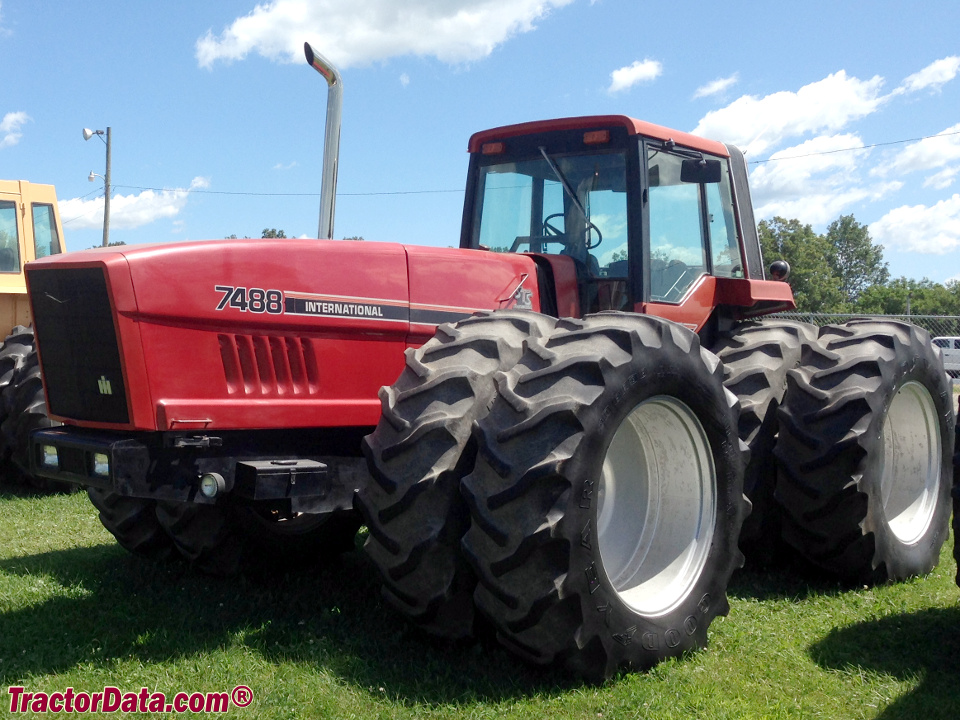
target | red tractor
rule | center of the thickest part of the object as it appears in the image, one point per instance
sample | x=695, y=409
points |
x=571, y=405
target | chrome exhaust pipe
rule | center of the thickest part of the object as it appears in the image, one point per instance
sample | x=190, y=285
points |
x=331, y=141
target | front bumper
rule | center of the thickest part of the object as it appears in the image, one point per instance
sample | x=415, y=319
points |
x=154, y=467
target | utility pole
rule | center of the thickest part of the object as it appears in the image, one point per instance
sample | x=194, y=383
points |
x=87, y=134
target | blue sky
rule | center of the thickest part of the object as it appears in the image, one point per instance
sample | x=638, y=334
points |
x=217, y=120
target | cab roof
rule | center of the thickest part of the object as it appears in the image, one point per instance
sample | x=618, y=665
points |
x=599, y=122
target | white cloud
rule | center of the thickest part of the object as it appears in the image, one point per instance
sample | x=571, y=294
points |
x=10, y=126
x=716, y=86
x=942, y=180
x=639, y=71
x=824, y=207
x=789, y=172
x=933, y=152
x=358, y=32
x=404, y=79
x=812, y=182
x=917, y=228
x=128, y=211
x=757, y=124
x=933, y=76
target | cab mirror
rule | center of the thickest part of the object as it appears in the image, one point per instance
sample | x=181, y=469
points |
x=780, y=270
x=700, y=171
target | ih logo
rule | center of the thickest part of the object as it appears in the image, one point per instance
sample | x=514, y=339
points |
x=104, y=385
x=523, y=298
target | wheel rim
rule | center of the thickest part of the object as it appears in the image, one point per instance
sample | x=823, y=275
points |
x=910, y=478
x=656, y=509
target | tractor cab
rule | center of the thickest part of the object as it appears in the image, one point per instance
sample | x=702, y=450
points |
x=617, y=214
x=29, y=229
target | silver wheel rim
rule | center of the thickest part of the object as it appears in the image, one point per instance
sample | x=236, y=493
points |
x=910, y=477
x=656, y=509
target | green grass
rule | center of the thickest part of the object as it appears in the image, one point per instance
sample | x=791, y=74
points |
x=77, y=611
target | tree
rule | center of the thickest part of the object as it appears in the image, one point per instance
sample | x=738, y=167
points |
x=356, y=238
x=273, y=233
x=815, y=287
x=926, y=298
x=855, y=260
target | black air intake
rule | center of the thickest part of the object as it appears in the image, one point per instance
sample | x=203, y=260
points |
x=75, y=332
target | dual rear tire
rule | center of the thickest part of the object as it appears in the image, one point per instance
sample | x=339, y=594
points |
x=865, y=450
x=849, y=431
x=602, y=490
x=605, y=498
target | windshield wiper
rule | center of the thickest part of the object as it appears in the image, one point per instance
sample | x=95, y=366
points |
x=563, y=182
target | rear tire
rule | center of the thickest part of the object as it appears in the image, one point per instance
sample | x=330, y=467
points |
x=611, y=420
x=756, y=357
x=234, y=537
x=418, y=454
x=956, y=494
x=133, y=522
x=865, y=451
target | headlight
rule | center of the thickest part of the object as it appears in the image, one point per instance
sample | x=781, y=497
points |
x=101, y=465
x=49, y=457
x=212, y=484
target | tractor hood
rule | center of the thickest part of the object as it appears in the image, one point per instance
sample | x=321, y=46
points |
x=318, y=323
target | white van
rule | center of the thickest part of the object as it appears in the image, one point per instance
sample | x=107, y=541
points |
x=950, y=347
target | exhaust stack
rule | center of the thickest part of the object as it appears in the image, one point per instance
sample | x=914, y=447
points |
x=331, y=142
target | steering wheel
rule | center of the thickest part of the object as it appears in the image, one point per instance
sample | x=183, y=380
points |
x=550, y=229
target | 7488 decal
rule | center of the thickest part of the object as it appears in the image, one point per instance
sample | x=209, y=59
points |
x=255, y=300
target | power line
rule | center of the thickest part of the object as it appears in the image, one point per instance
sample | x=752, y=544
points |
x=194, y=191
x=270, y=194
x=853, y=149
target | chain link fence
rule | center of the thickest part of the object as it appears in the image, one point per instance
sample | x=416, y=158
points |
x=936, y=325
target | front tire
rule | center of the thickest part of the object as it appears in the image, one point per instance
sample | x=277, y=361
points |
x=607, y=498
x=418, y=454
x=865, y=452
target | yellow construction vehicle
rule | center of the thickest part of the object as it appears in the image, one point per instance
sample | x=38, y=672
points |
x=29, y=229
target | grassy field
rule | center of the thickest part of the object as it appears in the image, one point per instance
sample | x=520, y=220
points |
x=77, y=611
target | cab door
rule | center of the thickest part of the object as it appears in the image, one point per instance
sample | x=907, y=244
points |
x=690, y=234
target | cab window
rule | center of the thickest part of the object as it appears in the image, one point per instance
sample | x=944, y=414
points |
x=9, y=243
x=573, y=205
x=724, y=244
x=45, y=237
x=691, y=223
x=678, y=247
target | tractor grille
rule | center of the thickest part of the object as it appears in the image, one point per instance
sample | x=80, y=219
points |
x=75, y=332
x=269, y=365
